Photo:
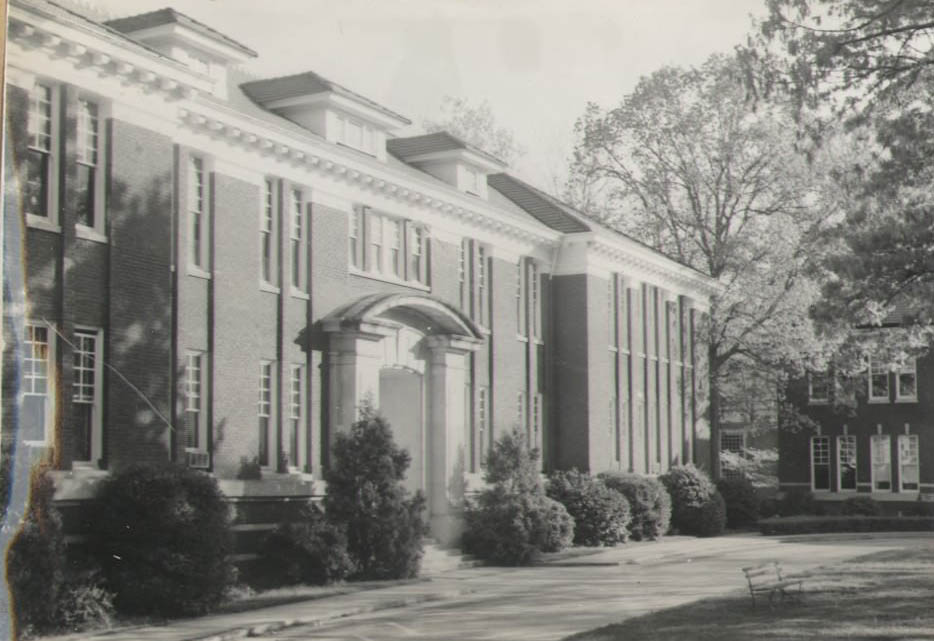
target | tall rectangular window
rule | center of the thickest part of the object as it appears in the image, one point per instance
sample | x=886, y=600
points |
x=878, y=382
x=297, y=238
x=481, y=286
x=88, y=133
x=85, y=396
x=418, y=254
x=41, y=152
x=881, y=452
x=355, y=241
x=296, y=393
x=536, y=417
x=820, y=463
x=521, y=328
x=34, y=414
x=376, y=242
x=846, y=463
x=520, y=411
x=818, y=388
x=907, y=388
x=535, y=300
x=264, y=412
x=908, y=466
x=265, y=230
x=482, y=413
x=196, y=212
x=395, y=246
x=463, y=275
x=194, y=369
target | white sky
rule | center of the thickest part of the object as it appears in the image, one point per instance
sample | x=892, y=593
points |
x=537, y=62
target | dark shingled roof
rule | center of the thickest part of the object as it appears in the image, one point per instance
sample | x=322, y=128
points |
x=547, y=209
x=168, y=15
x=430, y=143
x=306, y=84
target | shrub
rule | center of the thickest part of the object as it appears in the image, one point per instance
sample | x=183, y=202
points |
x=601, y=515
x=512, y=521
x=690, y=489
x=162, y=537
x=708, y=519
x=821, y=524
x=367, y=500
x=35, y=561
x=860, y=506
x=742, y=501
x=250, y=470
x=649, y=503
x=310, y=550
x=796, y=501
x=85, y=605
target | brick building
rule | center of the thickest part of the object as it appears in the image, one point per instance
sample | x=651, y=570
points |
x=209, y=268
x=876, y=443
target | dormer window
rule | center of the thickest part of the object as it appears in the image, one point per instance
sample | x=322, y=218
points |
x=450, y=159
x=354, y=133
x=472, y=184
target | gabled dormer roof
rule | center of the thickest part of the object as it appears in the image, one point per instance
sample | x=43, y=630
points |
x=273, y=90
x=167, y=16
x=547, y=209
x=433, y=145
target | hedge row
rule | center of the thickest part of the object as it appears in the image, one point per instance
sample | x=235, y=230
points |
x=820, y=524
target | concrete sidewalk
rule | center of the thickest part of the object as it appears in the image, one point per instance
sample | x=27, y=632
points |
x=447, y=586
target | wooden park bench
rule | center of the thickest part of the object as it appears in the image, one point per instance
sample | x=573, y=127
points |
x=768, y=579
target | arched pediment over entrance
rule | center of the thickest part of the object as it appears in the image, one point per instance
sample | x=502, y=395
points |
x=424, y=313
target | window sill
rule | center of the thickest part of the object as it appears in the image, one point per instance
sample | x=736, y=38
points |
x=913, y=399
x=198, y=273
x=89, y=233
x=389, y=279
x=42, y=222
x=37, y=444
x=297, y=293
x=268, y=287
x=878, y=401
x=815, y=401
x=522, y=339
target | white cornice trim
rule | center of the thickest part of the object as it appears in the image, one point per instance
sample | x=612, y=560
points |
x=259, y=137
x=107, y=57
x=458, y=155
x=332, y=100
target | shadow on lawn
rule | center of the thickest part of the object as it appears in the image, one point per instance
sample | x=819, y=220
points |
x=885, y=595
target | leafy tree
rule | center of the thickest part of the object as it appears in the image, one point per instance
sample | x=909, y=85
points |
x=685, y=164
x=476, y=125
x=367, y=500
x=852, y=50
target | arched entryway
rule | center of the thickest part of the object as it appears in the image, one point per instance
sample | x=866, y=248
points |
x=407, y=354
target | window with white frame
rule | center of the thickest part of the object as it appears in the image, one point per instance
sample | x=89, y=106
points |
x=35, y=411
x=463, y=275
x=908, y=464
x=481, y=286
x=906, y=388
x=482, y=413
x=818, y=388
x=297, y=245
x=264, y=413
x=356, y=134
x=394, y=240
x=878, y=382
x=355, y=238
x=89, y=179
x=195, y=425
x=820, y=463
x=521, y=320
x=418, y=254
x=197, y=213
x=536, y=417
x=266, y=227
x=535, y=300
x=375, y=234
x=520, y=411
x=42, y=153
x=86, y=393
x=880, y=446
x=296, y=394
x=846, y=463
x=472, y=182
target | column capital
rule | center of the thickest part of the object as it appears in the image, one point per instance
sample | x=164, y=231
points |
x=452, y=344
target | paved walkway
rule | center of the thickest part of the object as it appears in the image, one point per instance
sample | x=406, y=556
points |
x=546, y=602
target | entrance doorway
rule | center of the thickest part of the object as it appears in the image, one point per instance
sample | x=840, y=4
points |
x=401, y=402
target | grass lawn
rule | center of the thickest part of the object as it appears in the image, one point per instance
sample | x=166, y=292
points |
x=887, y=595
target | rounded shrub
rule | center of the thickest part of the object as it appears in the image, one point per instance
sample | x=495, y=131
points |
x=35, y=561
x=690, y=489
x=367, y=500
x=512, y=521
x=860, y=506
x=796, y=501
x=310, y=551
x=742, y=501
x=707, y=519
x=162, y=537
x=601, y=515
x=649, y=503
